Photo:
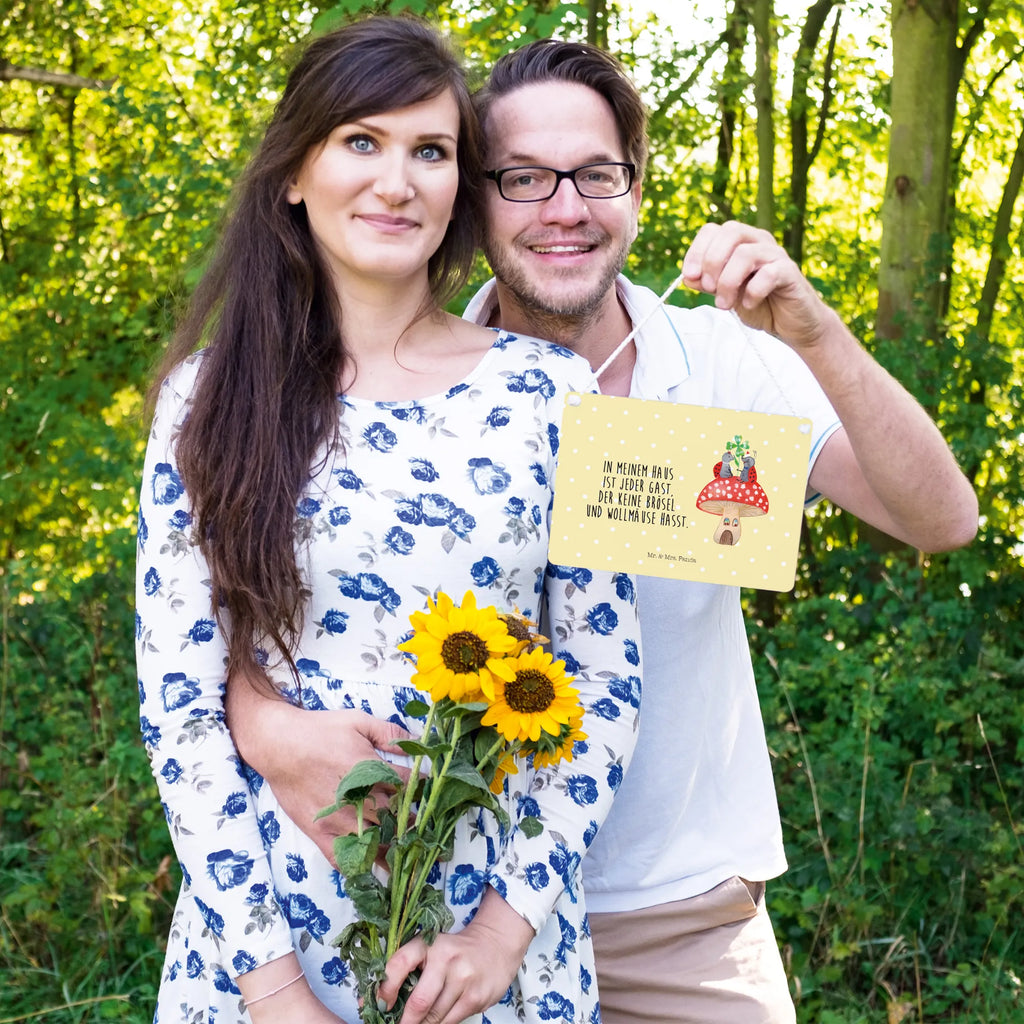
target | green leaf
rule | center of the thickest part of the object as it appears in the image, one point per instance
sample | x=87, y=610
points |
x=531, y=826
x=362, y=777
x=355, y=853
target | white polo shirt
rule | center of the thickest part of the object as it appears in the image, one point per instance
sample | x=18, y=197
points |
x=698, y=803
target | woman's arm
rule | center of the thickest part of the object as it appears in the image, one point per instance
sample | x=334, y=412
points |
x=304, y=754
x=181, y=657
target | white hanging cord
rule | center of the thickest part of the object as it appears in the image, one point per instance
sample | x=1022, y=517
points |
x=636, y=329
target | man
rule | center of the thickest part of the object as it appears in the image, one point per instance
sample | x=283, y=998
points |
x=675, y=879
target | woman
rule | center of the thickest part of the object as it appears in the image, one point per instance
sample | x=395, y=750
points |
x=341, y=449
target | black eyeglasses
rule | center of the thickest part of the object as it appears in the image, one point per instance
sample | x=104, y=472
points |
x=535, y=184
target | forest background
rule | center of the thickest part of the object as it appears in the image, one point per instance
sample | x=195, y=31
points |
x=882, y=143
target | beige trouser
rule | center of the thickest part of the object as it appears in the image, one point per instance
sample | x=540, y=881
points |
x=710, y=959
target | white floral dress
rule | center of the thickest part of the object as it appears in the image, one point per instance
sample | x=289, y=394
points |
x=450, y=492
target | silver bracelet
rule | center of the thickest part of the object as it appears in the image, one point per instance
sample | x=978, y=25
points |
x=274, y=991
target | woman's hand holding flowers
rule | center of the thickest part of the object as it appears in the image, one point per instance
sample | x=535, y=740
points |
x=464, y=973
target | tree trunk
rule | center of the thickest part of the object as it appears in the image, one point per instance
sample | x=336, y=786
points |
x=597, y=23
x=764, y=72
x=730, y=90
x=916, y=207
x=804, y=153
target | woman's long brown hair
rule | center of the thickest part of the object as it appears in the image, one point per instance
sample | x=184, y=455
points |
x=265, y=401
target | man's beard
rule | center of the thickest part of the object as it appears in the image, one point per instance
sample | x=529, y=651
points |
x=553, y=310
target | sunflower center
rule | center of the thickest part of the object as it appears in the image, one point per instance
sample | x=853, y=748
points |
x=464, y=652
x=530, y=691
x=517, y=627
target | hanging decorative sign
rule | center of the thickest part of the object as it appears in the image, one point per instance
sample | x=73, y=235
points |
x=680, y=491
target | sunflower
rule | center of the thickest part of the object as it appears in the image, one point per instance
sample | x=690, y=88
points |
x=531, y=695
x=521, y=628
x=506, y=766
x=457, y=648
x=550, y=750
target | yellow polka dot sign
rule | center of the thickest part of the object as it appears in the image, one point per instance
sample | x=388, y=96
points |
x=680, y=491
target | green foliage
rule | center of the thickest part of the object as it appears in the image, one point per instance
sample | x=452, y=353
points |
x=891, y=685
x=895, y=720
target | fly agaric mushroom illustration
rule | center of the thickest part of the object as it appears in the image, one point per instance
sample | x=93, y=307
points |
x=733, y=498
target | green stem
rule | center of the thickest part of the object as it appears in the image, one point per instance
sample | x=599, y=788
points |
x=411, y=887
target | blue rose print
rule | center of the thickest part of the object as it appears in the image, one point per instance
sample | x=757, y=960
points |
x=456, y=390
x=605, y=708
x=180, y=520
x=270, y=828
x=627, y=690
x=566, y=864
x=615, y=777
x=582, y=789
x=567, y=943
x=211, y=918
x=257, y=895
x=243, y=962
x=485, y=572
x=307, y=508
x=142, y=531
x=423, y=470
x=554, y=1006
x=172, y=770
x=498, y=417
x=194, y=965
x=178, y=690
x=151, y=581
x=296, y=867
x=632, y=652
x=229, y=868
x=532, y=381
x=368, y=586
x=624, y=587
x=347, y=479
x=488, y=477
x=537, y=876
x=400, y=541
x=574, y=574
x=222, y=982
x=602, y=619
x=334, y=622
x=553, y=438
x=536, y=515
x=413, y=413
x=572, y=666
x=202, y=631
x=465, y=885
x=235, y=805
x=528, y=807
x=167, y=485
x=150, y=732
x=461, y=523
x=515, y=506
x=339, y=515
x=335, y=971
x=379, y=437
x=436, y=509
x=540, y=474
x=409, y=511
x=590, y=834
x=302, y=912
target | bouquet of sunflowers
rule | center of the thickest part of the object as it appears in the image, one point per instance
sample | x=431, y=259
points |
x=496, y=696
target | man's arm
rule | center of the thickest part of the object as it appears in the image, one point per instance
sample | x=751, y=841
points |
x=304, y=754
x=888, y=464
